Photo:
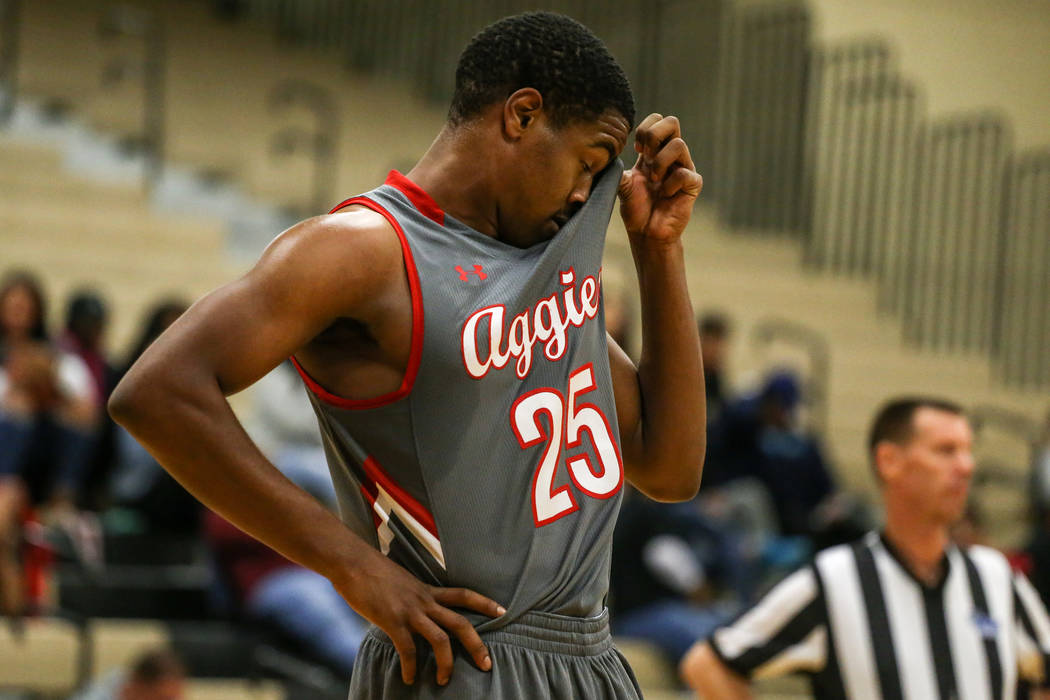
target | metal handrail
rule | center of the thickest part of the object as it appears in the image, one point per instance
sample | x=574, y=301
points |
x=123, y=20
x=10, y=24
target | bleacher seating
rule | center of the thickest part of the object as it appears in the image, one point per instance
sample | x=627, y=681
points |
x=211, y=689
x=116, y=643
x=40, y=654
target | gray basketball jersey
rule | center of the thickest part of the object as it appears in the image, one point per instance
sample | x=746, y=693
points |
x=496, y=465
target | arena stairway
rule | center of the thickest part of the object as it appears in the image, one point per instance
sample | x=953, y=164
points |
x=74, y=232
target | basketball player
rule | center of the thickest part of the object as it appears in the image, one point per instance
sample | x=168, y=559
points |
x=477, y=420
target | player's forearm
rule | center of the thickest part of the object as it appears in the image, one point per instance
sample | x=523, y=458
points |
x=670, y=373
x=708, y=676
x=188, y=426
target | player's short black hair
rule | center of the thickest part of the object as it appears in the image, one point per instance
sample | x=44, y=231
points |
x=895, y=420
x=562, y=59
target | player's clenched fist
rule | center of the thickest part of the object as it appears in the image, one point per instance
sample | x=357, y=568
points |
x=657, y=194
x=403, y=606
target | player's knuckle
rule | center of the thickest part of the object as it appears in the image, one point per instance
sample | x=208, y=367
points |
x=460, y=624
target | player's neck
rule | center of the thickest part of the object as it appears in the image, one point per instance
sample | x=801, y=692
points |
x=920, y=543
x=459, y=182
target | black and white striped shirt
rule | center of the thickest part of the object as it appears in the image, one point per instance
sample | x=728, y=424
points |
x=862, y=626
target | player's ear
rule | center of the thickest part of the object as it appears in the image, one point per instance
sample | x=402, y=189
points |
x=520, y=112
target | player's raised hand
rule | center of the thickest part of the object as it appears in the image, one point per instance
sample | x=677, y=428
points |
x=401, y=605
x=657, y=194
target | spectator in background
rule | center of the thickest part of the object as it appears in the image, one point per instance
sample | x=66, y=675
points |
x=791, y=462
x=47, y=415
x=719, y=468
x=84, y=336
x=138, y=483
x=286, y=431
x=714, y=346
x=161, y=315
x=670, y=569
x=23, y=310
x=155, y=675
x=87, y=318
x=298, y=602
x=765, y=440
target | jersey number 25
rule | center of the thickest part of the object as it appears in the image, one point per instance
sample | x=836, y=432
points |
x=567, y=420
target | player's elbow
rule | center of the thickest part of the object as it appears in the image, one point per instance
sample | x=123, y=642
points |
x=134, y=397
x=667, y=471
x=673, y=492
x=670, y=485
x=124, y=401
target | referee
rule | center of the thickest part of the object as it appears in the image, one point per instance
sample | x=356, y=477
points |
x=902, y=613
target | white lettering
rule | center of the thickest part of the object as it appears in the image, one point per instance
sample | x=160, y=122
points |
x=477, y=367
x=546, y=323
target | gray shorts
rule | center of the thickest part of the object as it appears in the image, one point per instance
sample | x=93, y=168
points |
x=540, y=655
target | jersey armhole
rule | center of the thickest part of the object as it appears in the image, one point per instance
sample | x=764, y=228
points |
x=416, y=351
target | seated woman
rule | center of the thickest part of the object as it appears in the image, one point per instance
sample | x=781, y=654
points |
x=48, y=414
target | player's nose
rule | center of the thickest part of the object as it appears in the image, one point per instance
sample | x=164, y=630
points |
x=579, y=194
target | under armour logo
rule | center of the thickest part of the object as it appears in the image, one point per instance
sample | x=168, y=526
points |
x=464, y=275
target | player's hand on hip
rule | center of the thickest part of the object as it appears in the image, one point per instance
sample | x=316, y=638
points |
x=401, y=605
x=657, y=194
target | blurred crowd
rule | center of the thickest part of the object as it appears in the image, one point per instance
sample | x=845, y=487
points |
x=70, y=477
x=768, y=502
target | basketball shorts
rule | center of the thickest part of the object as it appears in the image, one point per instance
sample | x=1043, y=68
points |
x=540, y=655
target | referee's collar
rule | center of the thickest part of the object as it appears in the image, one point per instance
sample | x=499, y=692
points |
x=946, y=564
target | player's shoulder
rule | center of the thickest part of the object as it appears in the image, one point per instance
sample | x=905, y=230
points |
x=352, y=238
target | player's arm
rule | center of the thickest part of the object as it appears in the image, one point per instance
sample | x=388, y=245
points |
x=660, y=405
x=704, y=672
x=174, y=402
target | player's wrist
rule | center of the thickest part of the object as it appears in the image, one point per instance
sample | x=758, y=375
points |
x=656, y=252
x=347, y=562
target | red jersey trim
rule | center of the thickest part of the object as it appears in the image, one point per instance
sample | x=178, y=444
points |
x=416, y=351
x=403, y=498
x=417, y=195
